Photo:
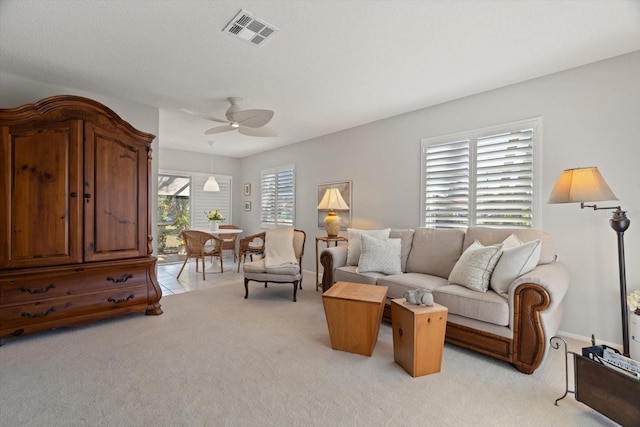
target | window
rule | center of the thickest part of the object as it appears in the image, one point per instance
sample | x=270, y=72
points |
x=485, y=177
x=277, y=197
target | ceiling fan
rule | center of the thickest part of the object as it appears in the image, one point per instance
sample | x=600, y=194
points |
x=247, y=122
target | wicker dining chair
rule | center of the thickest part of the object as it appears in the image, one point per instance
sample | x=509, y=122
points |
x=195, y=243
x=250, y=245
x=229, y=240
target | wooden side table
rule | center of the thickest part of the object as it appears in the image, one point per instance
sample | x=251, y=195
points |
x=328, y=240
x=418, y=336
x=354, y=313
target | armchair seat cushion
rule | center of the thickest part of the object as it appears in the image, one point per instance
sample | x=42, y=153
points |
x=260, y=267
x=484, y=306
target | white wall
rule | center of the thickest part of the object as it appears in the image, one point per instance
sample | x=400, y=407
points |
x=591, y=116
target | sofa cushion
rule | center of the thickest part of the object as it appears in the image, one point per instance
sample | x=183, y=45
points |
x=348, y=274
x=353, y=245
x=490, y=236
x=406, y=240
x=513, y=263
x=485, y=306
x=400, y=283
x=435, y=251
x=378, y=255
x=475, y=266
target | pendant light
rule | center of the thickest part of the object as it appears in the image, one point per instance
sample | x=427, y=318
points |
x=211, y=184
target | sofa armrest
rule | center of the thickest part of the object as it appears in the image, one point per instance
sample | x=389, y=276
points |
x=332, y=258
x=553, y=278
x=535, y=303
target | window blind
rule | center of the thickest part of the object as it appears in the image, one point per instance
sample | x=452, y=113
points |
x=277, y=197
x=446, y=173
x=483, y=178
x=205, y=201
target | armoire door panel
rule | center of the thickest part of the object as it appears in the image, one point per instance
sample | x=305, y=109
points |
x=41, y=208
x=113, y=220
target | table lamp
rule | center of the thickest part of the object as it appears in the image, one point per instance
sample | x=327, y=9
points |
x=332, y=200
x=587, y=185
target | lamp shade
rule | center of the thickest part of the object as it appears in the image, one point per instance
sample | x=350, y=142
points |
x=581, y=185
x=332, y=199
x=211, y=184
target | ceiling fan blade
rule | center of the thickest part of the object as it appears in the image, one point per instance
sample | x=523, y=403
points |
x=205, y=116
x=263, y=131
x=219, y=129
x=251, y=118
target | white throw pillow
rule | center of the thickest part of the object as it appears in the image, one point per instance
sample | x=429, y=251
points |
x=381, y=256
x=353, y=246
x=473, y=269
x=513, y=263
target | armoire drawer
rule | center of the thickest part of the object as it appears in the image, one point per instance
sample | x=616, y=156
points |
x=70, y=282
x=18, y=316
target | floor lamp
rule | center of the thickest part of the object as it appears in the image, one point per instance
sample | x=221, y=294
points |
x=587, y=185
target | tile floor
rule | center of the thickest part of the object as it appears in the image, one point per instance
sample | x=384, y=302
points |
x=191, y=280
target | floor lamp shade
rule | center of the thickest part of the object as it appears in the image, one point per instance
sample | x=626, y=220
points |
x=331, y=200
x=583, y=185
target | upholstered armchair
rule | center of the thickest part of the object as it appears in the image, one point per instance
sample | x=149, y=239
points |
x=282, y=260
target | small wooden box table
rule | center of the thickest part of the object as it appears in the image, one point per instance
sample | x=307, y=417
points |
x=354, y=313
x=418, y=336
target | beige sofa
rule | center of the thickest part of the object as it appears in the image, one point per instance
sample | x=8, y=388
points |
x=513, y=325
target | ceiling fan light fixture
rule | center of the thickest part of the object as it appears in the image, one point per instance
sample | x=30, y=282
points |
x=235, y=125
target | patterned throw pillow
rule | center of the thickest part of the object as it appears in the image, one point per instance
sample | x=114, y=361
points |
x=381, y=256
x=473, y=269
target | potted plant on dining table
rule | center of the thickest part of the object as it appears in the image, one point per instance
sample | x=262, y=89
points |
x=214, y=219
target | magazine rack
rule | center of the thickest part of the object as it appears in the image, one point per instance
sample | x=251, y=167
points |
x=611, y=393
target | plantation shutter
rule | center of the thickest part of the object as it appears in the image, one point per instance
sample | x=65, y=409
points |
x=446, y=174
x=504, y=179
x=481, y=178
x=277, y=197
x=205, y=201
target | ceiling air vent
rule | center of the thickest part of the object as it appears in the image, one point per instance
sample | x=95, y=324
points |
x=249, y=28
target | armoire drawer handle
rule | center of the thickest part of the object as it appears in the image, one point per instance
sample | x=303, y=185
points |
x=121, y=279
x=36, y=315
x=38, y=291
x=120, y=301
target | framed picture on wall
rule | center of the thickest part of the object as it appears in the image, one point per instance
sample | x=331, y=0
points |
x=247, y=206
x=345, y=191
x=247, y=189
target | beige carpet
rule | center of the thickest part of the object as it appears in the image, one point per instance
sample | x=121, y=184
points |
x=215, y=359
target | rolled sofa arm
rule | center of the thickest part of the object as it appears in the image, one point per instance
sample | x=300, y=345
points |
x=332, y=258
x=535, y=301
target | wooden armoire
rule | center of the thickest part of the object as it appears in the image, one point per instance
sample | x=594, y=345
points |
x=75, y=241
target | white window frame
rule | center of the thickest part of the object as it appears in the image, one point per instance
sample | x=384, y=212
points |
x=472, y=137
x=272, y=197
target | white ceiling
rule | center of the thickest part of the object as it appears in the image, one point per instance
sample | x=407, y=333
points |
x=333, y=65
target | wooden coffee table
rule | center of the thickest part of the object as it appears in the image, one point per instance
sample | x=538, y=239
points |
x=354, y=313
x=418, y=336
